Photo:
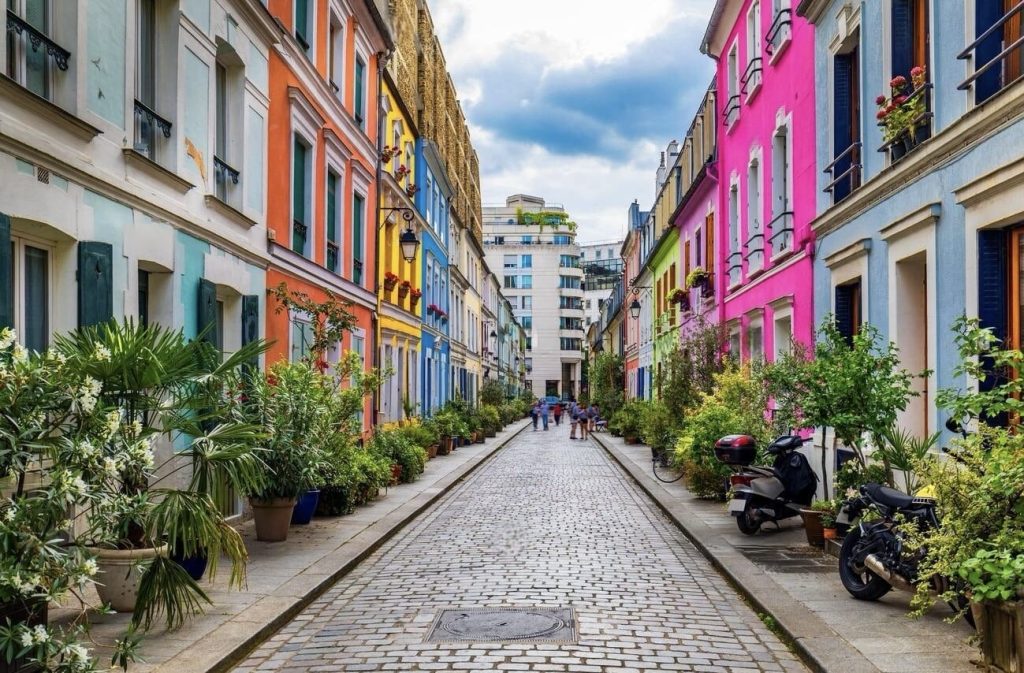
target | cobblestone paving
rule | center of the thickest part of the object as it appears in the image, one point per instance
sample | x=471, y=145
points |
x=548, y=523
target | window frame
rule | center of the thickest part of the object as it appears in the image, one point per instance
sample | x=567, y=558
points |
x=19, y=242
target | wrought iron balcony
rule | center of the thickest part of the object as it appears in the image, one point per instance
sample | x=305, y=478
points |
x=732, y=109
x=147, y=122
x=780, y=31
x=734, y=265
x=223, y=171
x=755, y=251
x=332, y=256
x=781, y=240
x=990, y=74
x=37, y=39
x=751, y=78
x=849, y=178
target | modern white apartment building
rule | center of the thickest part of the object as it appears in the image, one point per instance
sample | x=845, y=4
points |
x=602, y=268
x=531, y=246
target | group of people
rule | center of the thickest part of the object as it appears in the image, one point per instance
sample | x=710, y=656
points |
x=583, y=418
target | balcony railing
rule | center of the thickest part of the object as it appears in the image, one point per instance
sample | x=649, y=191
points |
x=751, y=76
x=733, y=266
x=781, y=240
x=917, y=130
x=755, y=252
x=732, y=109
x=222, y=172
x=780, y=31
x=147, y=123
x=847, y=180
x=37, y=39
x=299, y=231
x=332, y=256
x=988, y=78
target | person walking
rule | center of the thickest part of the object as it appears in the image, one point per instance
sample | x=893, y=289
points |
x=574, y=419
x=584, y=421
x=557, y=413
x=592, y=417
x=535, y=414
x=544, y=411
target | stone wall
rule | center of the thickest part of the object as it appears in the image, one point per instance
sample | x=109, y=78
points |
x=419, y=69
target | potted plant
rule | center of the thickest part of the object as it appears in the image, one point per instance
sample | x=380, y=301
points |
x=696, y=278
x=814, y=521
x=167, y=389
x=411, y=190
x=390, y=281
x=414, y=296
x=288, y=402
x=828, y=523
x=403, y=289
x=627, y=421
x=901, y=115
x=490, y=420
x=388, y=153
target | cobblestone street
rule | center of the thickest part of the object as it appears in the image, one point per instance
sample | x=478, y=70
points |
x=547, y=523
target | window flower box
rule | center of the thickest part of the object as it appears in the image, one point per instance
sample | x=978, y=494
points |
x=390, y=281
x=403, y=289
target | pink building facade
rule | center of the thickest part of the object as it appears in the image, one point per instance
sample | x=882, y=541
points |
x=766, y=174
x=630, y=252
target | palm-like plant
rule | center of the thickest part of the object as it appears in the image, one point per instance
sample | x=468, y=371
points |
x=183, y=392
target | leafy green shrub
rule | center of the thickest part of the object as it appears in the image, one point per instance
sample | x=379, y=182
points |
x=492, y=393
x=396, y=446
x=490, y=419
x=852, y=475
x=659, y=426
x=509, y=412
x=628, y=421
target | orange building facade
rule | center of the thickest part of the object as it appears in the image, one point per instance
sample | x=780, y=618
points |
x=323, y=154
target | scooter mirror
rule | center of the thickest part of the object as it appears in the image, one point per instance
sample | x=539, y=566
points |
x=953, y=425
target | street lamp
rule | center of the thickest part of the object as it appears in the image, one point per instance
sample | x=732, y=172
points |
x=634, y=309
x=408, y=240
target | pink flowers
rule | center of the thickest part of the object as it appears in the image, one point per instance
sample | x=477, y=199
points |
x=917, y=71
x=880, y=100
x=898, y=82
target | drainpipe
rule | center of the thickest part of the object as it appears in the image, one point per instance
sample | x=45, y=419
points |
x=382, y=59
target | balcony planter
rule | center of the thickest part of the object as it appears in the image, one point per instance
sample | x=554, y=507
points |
x=403, y=289
x=1001, y=629
x=390, y=281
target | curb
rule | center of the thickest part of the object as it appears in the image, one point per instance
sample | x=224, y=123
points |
x=378, y=533
x=813, y=641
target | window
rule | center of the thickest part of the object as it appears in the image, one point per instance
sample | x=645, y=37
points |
x=732, y=102
x=526, y=282
x=755, y=238
x=304, y=25
x=147, y=121
x=781, y=30
x=30, y=288
x=846, y=147
x=28, y=61
x=755, y=342
x=781, y=239
x=570, y=323
x=1001, y=28
x=333, y=224
x=301, y=338
x=527, y=240
x=752, y=74
x=301, y=210
x=597, y=254
x=529, y=343
x=568, y=344
x=359, y=95
x=221, y=130
x=848, y=309
x=562, y=239
x=336, y=53
x=569, y=262
x=511, y=261
x=143, y=277
x=527, y=262
x=527, y=302
x=526, y=321
x=358, y=225
x=511, y=282
x=734, y=261
x=569, y=282
x=570, y=303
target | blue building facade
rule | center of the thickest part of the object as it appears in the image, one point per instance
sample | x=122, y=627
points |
x=919, y=226
x=434, y=202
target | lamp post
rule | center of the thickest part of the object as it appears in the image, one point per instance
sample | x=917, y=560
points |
x=635, y=306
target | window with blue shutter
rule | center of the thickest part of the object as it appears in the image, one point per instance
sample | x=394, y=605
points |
x=842, y=131
x=986, y=14
x=848, y=309
x=993, y=294
x=6, y=274
x=902, y=38
x=95, y=283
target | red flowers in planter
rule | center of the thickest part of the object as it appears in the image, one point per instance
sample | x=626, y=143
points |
x=415, y=294
x=403, y=288
x=390, y=280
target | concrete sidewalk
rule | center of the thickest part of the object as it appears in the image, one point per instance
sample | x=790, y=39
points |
x=799, y=588
x=285, y=577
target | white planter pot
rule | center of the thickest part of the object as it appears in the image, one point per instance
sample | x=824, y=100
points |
x=120, y=573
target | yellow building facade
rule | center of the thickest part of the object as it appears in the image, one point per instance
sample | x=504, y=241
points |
x=398, y=302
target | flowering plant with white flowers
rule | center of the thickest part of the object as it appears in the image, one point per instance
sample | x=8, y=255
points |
x=52, y=436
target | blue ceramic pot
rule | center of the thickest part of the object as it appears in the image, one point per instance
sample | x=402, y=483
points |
x=304, y=508
x=195, y=566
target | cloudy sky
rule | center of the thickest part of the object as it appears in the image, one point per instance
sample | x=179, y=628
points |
x=573, y=100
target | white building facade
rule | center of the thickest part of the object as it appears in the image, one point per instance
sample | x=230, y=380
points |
x=531, y=246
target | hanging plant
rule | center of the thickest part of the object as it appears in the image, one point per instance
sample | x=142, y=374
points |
x=390, y=280
x=403, y=288
x=412, y=190
x=388, y=153
x=698, y=276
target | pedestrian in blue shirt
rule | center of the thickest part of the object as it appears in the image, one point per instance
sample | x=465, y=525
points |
x=544, y=411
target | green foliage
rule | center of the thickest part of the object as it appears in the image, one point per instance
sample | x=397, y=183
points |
x=852, y=475
x=396, y=447
x=490, y=418
x=900, y=450
x=981, y=494
x=688, y=370
x=659, y=426
x=492, y=393
x=607, y=383
x=628, y=421
x=736, y=405
x=329, y=319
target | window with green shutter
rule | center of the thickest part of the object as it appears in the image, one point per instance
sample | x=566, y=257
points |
x=333, y=252
x=358, y=206
x=302, y=23
x=207, y=318
x=300, y=212
x=360, y=94
x=95, y=281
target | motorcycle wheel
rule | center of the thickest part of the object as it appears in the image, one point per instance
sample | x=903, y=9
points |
x=861, y=583
x=746, y=521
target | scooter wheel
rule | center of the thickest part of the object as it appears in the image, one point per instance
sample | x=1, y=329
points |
x=747, y=522
x=860, y=582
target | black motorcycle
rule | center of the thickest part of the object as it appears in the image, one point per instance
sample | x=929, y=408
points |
x=874, y=557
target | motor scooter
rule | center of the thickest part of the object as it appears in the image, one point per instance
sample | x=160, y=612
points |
x=761, y=494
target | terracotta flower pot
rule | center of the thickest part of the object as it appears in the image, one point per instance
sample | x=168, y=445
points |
x=432, y=451
x=272, y=517
x=829, y=533
x=813, y=528
x=630, y=439
x=396, y=473
x=119, y=576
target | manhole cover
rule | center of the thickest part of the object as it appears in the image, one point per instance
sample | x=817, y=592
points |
x=490, y=625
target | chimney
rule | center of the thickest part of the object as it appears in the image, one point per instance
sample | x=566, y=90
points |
x=662, y=175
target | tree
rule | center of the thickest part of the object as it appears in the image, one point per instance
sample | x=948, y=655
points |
x=607, y=383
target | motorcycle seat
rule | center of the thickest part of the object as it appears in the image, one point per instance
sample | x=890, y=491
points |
x=889, y=497
x=784, y=443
